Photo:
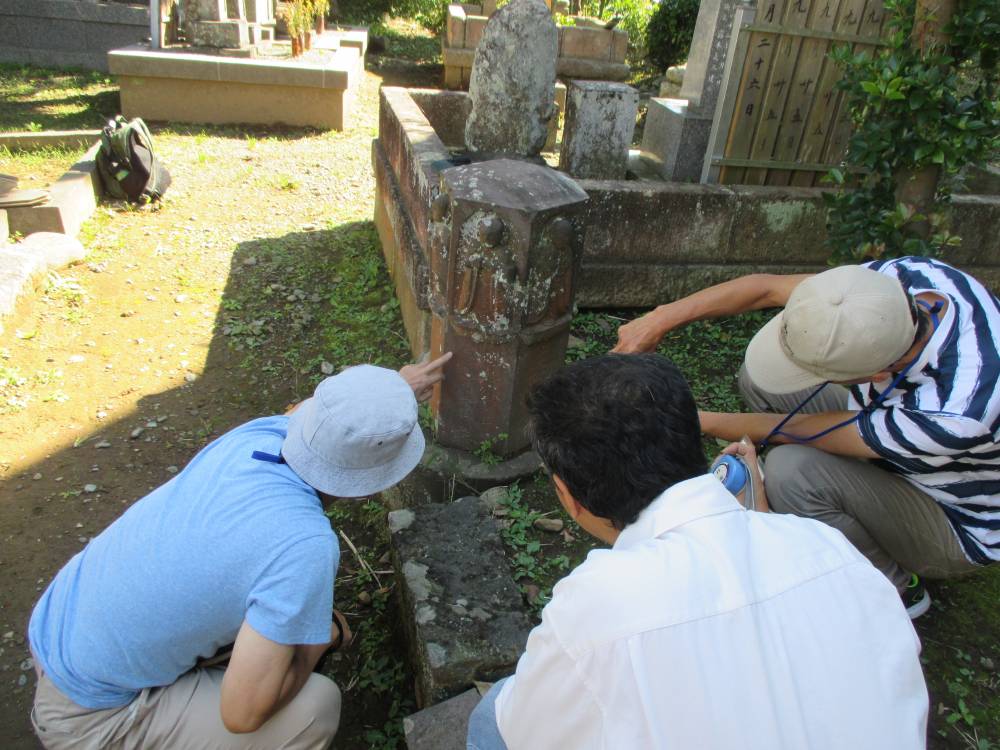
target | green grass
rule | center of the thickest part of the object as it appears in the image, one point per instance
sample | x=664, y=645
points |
x=34, y=99
x=408, y=40
x=38, y=167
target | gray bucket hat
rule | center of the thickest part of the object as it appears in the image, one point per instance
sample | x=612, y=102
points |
x=357, y=435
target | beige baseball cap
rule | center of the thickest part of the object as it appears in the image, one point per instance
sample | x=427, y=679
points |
x=840, y=325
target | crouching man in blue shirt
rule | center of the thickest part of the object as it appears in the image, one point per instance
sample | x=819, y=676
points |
x=235, y=548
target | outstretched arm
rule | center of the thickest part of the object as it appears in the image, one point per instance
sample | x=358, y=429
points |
x=754, y=292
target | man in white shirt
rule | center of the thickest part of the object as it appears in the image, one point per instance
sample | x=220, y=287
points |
x=705, y=625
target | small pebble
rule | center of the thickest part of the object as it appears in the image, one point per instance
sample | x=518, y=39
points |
x=27, y=664
x=151, y=423
x=22, y=681
x=171, y=469
x=90, y=488
x=37, y=477
x=326, y=368
x=180, y=298
x=75, y=359
x=364, y=598
x=136, y=433
x=101, y=414
x=549, y=524
x=532, y=592
x=102, y=444
x=190, y=377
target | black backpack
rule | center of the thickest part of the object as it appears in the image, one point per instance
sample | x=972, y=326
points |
x=127, y=164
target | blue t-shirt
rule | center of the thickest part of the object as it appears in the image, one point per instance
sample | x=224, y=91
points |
x=229, y=538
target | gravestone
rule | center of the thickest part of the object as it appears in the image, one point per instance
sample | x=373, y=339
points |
x=600, y=121
x=512, y=88
x=677, y=130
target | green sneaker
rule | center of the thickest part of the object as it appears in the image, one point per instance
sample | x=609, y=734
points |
x=915, y=598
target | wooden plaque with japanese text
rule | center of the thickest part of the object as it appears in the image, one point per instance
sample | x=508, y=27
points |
x=781, y=119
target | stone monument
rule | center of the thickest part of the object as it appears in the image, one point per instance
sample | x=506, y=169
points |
x=512, y=86
x=677, y=130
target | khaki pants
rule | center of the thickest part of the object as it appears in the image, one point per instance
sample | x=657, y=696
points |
x=897, y=526
x=186, y=716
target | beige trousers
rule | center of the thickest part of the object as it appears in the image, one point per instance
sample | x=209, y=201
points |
x=186, y=716
x=897, y=526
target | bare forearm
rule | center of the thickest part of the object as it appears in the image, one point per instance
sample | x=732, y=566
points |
x=843, y=437
x=302, y=665
x=733, y=426
x=754, y=292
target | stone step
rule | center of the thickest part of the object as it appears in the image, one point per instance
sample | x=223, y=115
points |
x=464, y=617
x=443, y=726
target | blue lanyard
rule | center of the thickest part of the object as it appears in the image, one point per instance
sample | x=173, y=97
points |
x=932, y=311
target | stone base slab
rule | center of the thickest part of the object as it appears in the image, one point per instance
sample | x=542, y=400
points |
x=466, y=619
x=72, y=200
x=194, y=88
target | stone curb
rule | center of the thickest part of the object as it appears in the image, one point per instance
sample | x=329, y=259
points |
x=48, y=139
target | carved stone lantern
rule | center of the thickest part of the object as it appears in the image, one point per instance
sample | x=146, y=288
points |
x=505, y=248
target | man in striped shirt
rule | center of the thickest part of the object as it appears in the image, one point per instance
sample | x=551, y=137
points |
x=891, y=374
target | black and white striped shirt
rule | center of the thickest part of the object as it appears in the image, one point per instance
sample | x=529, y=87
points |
x=939, y=426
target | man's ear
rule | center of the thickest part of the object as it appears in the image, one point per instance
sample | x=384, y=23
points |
x=566, y=497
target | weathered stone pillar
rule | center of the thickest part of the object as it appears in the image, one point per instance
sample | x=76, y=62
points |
x=600, y=121
x=504, y=252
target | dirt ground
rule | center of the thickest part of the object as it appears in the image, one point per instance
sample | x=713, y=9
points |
x=220, y=306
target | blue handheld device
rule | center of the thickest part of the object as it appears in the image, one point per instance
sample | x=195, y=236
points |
x=732, y=472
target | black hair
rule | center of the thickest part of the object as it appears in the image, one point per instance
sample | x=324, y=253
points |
x=618, y=430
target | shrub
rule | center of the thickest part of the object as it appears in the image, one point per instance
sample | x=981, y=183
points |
x=670, y=30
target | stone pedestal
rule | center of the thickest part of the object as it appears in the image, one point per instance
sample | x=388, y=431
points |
x=677, y=138
x=504, y=250
x=600, y=121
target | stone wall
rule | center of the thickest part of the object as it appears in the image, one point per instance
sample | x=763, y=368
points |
x=584, y=51
x=68, y=33
x=649, y=242
x=646, y=242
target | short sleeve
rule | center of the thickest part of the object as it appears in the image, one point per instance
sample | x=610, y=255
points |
x=292, y=601
x=912, y=439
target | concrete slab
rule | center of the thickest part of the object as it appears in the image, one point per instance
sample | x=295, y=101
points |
x=22, y=263
x=72, y=200
x=465, y=618
x=443, y=726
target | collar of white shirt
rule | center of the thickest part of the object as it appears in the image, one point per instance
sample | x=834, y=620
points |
x=680, y=504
